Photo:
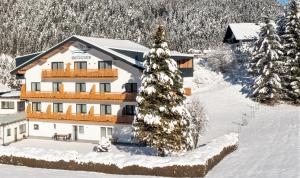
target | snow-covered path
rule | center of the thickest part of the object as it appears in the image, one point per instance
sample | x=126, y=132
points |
x=269, y=143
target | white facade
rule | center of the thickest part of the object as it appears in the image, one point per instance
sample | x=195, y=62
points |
x=83, y=131
x=47, y=128
x=12, y=132
x=11, y=105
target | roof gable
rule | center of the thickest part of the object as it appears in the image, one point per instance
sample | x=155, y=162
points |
x=244, y=31
x=118, y=49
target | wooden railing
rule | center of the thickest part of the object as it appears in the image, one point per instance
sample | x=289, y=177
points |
x=91, y=117
x=81, y=117
x=89, y=73
x=92, y=95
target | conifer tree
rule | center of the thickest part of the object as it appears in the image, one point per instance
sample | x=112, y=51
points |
x=268, y=51
x=291, y=39
x=162, y=120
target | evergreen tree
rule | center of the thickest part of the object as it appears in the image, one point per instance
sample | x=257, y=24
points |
x=291, y=39
x=162, y=120
x=267, y=85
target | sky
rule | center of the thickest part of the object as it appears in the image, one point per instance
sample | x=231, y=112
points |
x=283, y=1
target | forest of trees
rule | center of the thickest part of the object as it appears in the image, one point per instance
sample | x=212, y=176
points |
x=35, y=25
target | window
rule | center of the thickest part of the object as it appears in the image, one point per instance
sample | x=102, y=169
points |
x=129, y=110
x=7, y=105
x=81, y=129
x=131, y=87
x=22, y=128
x=35, y=86
x=185, y=64
x=21, y=105
x=80, y=65
x=80, y=108
x=57, y=107
x=56, y=86
x=105, y=64
x=36, y=106
x=36, y=127
x=105, y=109
x=105, y=87
x=57, y=65
x=80, y=87
x=8, y=132
x=106, y=131
x=109, y=131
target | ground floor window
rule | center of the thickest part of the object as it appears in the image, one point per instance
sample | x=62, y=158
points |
x=106, y=131
x=7, y=105
x=81, y=129
x=8, y=132
x=22, y=128
x=36, y=127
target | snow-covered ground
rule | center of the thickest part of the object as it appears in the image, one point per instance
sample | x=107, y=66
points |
x=120, y=156
x=269, y=140
x=9, y=171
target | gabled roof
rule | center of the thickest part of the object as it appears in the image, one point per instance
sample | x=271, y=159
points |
x=22, y=59
x=243, y=31
x=108, y=46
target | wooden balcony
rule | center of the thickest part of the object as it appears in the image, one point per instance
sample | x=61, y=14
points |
x=92, y=95
x=69, y=116
x=68, y=73
x=86, y=74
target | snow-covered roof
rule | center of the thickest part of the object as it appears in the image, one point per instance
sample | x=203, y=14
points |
x=11, y=118
x=114, y=44
x=245, y=31
x=11, y=94
x=4, y=89
x=105, y=45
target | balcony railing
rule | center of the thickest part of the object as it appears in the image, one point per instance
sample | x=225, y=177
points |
x=92, y=95
x=90, y=117
x=88, y=74
x=81, y=117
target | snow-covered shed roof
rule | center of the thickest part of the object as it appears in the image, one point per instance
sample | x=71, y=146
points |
x=117, y=48
x=242, y=32
x=4, y=89
x=11, y=94
x=6, y=119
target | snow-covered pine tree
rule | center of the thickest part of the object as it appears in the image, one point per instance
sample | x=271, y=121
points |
x=291, y=44
x=6, y=65
x=162, y=120
x=267, y=85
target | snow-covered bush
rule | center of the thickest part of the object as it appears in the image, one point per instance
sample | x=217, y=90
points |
x=6, y=65
x=220, y=59
x=199, y=119
x=104, y=145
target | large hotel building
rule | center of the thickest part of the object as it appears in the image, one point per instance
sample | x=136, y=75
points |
x=85, y=88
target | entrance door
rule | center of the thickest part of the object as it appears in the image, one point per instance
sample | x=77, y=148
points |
x=16, y=134
x=75, y=132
